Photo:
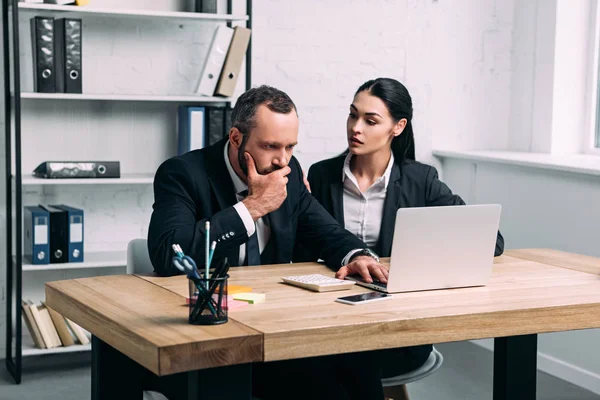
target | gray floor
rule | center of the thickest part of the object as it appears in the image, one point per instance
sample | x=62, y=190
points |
x=465, y=375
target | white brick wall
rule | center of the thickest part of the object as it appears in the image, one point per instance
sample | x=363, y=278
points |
x=454, y=57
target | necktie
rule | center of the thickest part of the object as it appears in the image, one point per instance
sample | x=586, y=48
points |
x=252, y=249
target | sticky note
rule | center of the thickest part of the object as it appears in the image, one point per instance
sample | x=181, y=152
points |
x=251, y=298
x=233, y=289
x=235, y=304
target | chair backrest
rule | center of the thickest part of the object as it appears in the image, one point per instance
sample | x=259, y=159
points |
x=138, y=259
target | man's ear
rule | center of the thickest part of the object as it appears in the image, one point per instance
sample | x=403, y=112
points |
x=399, y=127
x=235, y=137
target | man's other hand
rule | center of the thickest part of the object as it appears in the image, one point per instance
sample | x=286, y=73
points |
x=366, y=267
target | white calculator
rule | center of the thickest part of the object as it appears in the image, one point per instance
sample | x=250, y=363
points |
x=318, y=282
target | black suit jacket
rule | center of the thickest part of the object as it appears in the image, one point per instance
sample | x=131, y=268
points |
x=411, y=184
x=195, y=187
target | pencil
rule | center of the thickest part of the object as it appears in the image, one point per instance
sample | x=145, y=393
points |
x=207, y=252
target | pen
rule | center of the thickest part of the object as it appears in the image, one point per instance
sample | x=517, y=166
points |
x=177, y=250
x=207, y=251
x=213, y=245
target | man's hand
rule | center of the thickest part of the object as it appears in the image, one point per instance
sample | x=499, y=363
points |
x=267, y=192
x=366, y=267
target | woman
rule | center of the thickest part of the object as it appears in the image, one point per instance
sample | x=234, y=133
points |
x=363, y=187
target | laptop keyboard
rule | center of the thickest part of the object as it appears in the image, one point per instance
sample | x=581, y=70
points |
x=380, y=284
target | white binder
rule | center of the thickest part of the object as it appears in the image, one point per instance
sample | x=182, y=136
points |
x=215, y=60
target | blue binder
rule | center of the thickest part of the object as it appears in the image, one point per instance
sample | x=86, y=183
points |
x=37, y=235
x=75, y=232
x=190, y=129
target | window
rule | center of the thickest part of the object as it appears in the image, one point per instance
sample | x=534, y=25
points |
x=594, y=107
x=596, y=141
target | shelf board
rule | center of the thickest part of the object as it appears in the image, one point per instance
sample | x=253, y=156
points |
x=124, y=97
x=101, y=259
x=29, y=349
x=85, y=10
x=125, y=179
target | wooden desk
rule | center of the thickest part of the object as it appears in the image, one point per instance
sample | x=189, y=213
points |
x=144, y=318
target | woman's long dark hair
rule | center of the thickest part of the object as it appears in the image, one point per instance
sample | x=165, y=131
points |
x=399, y=103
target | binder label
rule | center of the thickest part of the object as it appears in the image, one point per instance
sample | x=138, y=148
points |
x=40, y=234
x=76, y=229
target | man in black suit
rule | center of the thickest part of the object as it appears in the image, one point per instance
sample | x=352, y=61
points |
x=250, y=188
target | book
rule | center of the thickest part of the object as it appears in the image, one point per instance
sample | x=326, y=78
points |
x=49, y=325
x=78, y=331
x=42, y=326
x=32, y=326
x=61, y=327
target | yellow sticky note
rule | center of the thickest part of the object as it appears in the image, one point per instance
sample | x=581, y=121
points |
x=251, y=298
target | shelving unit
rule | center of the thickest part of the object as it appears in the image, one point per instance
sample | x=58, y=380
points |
x=18, y=341
x=85, y=10
x=122, y=97
x=125, y=179
x=29, y=349
x=99, y=259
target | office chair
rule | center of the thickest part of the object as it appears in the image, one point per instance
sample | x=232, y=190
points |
x=395, y=387
x=138, y=259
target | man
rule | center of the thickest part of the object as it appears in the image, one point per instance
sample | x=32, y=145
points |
x=250, y=188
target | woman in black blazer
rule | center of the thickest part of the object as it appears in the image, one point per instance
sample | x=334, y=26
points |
x=364, y=187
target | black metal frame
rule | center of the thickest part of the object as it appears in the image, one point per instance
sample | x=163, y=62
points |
x=249, y=50
x=13, y=366
x=515, y=367
x=14, y=269
x=116, y=376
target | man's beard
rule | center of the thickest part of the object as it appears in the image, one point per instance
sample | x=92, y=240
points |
x=244, y=164
x=241, y=157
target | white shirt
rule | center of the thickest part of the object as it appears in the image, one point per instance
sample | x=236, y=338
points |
x=263, y=232
x=363, y=212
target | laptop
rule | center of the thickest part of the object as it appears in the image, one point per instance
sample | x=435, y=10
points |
x=441, y=248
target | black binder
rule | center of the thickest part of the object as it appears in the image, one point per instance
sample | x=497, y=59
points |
x=228, y=111
x=215, y=123
x=206, y=6
x=59, y=238
x=43, y=51
x=68, y=34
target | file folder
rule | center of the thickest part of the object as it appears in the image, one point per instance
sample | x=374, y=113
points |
x=228, y=122
x=37, y=235
x=215, y=122
x=206, y=6
x=214, y=61
x=191, y=129
x=74, y=231
x=58, y=235
x=68, y=55
x=43, y=51
x=233, y=62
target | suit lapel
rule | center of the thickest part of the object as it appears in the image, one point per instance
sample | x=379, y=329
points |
x=337, y=201
x=221, y=185
x=218, y=176
x=390, y=207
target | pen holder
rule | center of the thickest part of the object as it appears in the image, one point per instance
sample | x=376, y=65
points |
x=208, y=301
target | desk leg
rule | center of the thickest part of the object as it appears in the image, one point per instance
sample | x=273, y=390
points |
x=114, y=375
x=515, y=367
x=223, y=383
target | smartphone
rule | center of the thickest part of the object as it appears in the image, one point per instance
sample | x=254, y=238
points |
x=363, y=298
